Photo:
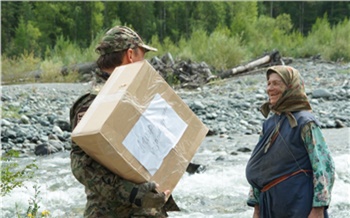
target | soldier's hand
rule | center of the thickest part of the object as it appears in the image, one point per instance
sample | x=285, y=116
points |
x=146, y=196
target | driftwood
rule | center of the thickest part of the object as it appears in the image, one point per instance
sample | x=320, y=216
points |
x=273, y=58
x=83, y=68
x=189, y=74
x=185, y=74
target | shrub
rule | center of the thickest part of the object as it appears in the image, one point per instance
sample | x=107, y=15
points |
x=223, y=51
x=318, y=40
x=51, y=72
x=11, y=176
x=163, y=47
x=217, y=49
x=33, y=207
x=66, y=52
x=340, y=43
x=332, y=43
x=19, y=69
x=268, y=34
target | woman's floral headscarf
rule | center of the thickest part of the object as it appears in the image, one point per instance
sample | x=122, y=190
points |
x=293, y=98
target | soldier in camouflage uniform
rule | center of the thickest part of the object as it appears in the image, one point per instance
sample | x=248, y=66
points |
x=109, y=195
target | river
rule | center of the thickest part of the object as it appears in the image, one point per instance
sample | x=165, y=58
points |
x=219, y=191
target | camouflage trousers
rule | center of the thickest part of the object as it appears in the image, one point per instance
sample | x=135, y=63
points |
x=98, y=208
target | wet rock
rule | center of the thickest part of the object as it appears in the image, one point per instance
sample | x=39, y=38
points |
x=339, y=124
x=49, y=147
x=63, y=125
x=234, y=153
x=244, y=150
x=220, y=158
x=321, y=93
x=9, y=133
x=5, y=122
x=193, y=168
x=25, y=119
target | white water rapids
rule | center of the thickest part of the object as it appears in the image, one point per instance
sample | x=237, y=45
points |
x=220, y=191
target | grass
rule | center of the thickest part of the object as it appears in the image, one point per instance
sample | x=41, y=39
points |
x=220, y=49
x=11, y=111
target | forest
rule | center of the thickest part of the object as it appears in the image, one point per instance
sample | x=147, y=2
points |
x=221, y=33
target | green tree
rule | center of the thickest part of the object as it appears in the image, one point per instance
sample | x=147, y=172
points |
x=139, y=16
x=173, y=19
x=48, y=21
x=208, y=15
x=243, y=16
x=76, y=21
x=305, y=13
x=337, y=10
x=26, y=38
x=269, y=33
x=11, y=12
x=96, y=18
x=172, y=22
x=110, y=14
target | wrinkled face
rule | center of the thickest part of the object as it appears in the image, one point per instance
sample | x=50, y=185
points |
x=275, y=88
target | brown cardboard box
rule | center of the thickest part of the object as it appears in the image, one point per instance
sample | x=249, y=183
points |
x=139, y=128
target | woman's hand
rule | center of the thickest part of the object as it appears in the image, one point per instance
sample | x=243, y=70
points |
x=316, y=212
x=256, y=213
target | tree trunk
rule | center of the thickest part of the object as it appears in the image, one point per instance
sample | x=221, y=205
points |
x=273, y=58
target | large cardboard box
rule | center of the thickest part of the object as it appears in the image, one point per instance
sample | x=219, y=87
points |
x=139, y=128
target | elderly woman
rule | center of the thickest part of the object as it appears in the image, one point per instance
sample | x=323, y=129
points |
x=291, y=171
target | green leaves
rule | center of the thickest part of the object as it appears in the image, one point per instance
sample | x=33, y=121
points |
x=13, y=175
x=69, y=31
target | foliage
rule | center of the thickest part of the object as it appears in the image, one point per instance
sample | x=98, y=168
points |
x=51, y=71
x=318, y=39
x=26, y=38
x=196, y=46
x=273, y=34
x=33, y=203
x=163, y=47
x=19, y=69
x=208, y=15
x=33, y=207
x=332, y=43
x=173, y=20
x=243, y=15
x=340, y=41
x=211, y=49
x=80, y=22
x=10, y=111
x=138, y=15
x=69, y=53
x=11, y=176
x=49, y=35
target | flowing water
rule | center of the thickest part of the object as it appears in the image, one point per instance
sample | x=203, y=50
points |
x=219, y=191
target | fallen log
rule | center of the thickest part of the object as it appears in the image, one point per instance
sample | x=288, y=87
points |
x=82, y=68
x=274, y=58
x=184, y=73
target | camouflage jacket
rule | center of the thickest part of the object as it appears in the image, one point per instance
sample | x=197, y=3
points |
x=107, y=193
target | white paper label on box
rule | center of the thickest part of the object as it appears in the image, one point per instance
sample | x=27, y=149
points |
x=156, y=132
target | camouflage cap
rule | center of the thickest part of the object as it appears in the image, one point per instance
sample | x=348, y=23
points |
x=120, y=38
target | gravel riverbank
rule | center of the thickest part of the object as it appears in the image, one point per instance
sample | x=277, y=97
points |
x=35, y=117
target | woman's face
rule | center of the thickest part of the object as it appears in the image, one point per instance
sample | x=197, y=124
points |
x=275, y=88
